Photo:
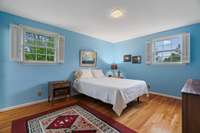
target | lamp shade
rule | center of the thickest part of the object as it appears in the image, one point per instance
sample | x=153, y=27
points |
x=114, y=66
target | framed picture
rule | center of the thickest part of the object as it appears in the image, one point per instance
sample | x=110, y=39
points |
x=136, y=59
x=127, y=58
x=88, y=58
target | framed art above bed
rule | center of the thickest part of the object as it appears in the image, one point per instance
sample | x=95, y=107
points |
x=88, y=58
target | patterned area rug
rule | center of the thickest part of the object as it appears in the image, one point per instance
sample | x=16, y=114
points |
x=76, y=118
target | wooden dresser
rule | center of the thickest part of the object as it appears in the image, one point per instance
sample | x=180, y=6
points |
x=191, y=107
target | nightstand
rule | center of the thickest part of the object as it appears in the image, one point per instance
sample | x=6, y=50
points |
x=58, y=89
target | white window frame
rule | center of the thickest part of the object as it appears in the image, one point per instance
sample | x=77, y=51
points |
x=45, y=33
x=185, y=39
x=19, y=43
x=163, y=39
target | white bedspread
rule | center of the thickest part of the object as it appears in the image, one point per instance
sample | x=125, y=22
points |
x=118, y=92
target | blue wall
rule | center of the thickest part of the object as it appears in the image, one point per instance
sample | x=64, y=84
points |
x=19, y=83
x=167, y=79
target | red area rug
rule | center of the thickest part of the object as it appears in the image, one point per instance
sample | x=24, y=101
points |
x=76, y=118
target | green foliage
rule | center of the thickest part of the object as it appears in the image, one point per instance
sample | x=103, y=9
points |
x=50, y=58
x=41, y=57
x=39, y=48
x=50, y=44
x=30, y=56
x=173, y=58
x=50, y=51
x=51, y=39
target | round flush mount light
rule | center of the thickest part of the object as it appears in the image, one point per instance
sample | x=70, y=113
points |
x=116, y=13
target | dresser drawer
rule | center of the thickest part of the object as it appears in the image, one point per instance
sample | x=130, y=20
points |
x=60, y=92
x=61, y=85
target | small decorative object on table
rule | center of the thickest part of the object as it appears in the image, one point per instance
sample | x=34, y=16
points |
x=59, y=89
x=120, y=75
x=114, y=66
x=115, y=72
x=114, y=69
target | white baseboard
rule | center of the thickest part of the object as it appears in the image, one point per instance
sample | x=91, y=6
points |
x=165, y=95
x=44, y=100
x=22, y=105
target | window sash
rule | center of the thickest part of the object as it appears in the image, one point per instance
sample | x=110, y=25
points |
x=168, y=38
x=43, y=33
x=167, y=57
x=17, y=44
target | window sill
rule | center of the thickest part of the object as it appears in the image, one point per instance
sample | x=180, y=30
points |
x=177, y=63
x=38, y=62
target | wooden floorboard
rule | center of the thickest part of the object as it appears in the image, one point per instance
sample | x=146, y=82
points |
x=154, y=114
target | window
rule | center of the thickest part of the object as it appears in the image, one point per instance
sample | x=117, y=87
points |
x=31, y=45
x=39, y=47
x=169, y=50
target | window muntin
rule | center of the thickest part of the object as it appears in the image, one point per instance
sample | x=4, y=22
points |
x=39, y=46
x=168, y=50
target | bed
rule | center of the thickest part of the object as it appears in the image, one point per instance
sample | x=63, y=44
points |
x=115, y=91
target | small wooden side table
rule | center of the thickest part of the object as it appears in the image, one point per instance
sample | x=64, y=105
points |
x=58, y=89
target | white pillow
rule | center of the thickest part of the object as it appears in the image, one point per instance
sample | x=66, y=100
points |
x=98, y=73
x=86, y=73
x=77, y=75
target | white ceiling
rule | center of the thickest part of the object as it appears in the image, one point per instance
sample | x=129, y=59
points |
x=92, y=17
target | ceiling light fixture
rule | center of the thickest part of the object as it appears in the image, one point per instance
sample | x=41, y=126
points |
x=117, y=13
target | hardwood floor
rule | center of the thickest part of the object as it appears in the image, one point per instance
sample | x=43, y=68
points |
x=155, y=114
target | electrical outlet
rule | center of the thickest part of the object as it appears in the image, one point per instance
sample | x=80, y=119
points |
x=39, y=93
